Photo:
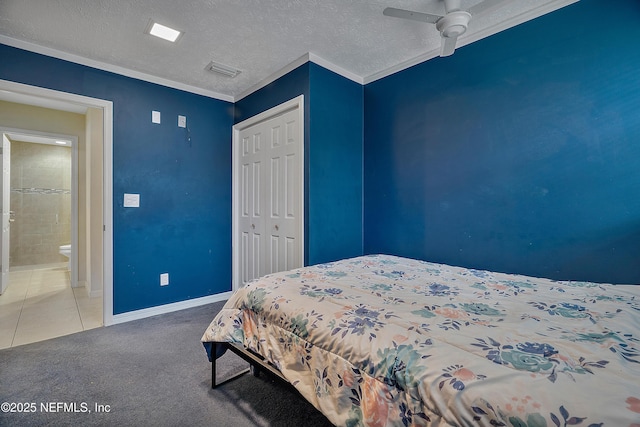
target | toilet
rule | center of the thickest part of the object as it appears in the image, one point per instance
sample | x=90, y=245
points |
x=66, y=251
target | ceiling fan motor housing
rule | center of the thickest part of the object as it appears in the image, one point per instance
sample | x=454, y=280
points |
x=454, y=23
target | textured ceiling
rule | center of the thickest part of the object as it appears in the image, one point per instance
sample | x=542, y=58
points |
x=259, y=37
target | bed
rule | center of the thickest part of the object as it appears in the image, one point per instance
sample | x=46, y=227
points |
x=382, y=340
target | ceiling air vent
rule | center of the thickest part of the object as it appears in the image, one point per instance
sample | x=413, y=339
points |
x=225, y=70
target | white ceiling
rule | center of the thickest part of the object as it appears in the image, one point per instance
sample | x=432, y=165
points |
x=262, y=38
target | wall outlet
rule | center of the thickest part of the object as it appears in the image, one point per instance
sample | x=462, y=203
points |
x=164, y=279
x=155, y=117
x=182, y=121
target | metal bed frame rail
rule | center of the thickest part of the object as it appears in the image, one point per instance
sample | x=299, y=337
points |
x=256, y=362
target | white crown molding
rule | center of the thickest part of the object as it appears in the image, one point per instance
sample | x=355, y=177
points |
x=32, y=47
x=307, y=57
x=335, y=68
x=516, y=20
x=273, y=77
x=402, y=66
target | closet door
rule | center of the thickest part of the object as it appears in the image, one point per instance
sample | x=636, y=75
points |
x=268, y=195
x=284, y=181
x=250, y=221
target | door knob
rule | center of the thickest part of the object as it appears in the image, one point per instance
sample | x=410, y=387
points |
x=253, y=226
x=277, y=228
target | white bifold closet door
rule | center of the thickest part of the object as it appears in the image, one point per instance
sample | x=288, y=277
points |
x=270, y=190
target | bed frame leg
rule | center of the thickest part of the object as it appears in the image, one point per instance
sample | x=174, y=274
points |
x=214, y=382
x=256, y=362
x=214, y=351
x=255, y=369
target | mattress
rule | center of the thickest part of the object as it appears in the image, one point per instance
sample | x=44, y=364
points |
x=387, y=341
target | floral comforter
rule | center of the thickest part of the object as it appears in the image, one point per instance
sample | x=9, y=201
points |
x=387, y=341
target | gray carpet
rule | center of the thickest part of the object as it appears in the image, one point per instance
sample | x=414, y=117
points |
x=152, y=371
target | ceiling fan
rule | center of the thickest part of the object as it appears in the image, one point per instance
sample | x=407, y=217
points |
x=450, y=25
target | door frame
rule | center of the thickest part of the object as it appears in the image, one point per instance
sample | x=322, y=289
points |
x=296, y=103
x=5, y=213
x=53, y=97
x=74, y=189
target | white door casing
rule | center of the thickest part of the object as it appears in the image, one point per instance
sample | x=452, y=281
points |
x=6, y=212
x=268, y=192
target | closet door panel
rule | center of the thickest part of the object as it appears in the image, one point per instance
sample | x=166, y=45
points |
x=250, y=209
x=286, y=179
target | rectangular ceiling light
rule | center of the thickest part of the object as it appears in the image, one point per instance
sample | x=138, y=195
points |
x=225, y=70
x=163, y=31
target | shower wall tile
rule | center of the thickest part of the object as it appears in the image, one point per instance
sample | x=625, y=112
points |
x=43, y=177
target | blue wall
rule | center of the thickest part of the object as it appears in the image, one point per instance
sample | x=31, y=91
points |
x=519, y=153
x=183, y=225
x=335, y=167
x=333, y=156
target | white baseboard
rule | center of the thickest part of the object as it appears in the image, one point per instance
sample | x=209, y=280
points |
x=96, y=293
x=168, y=308
x=39, y=266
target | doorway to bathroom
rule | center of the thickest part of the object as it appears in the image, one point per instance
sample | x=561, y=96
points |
x=43, y=202
x=39, y=110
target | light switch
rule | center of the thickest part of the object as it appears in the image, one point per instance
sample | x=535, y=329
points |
x=155, y=117
x=182, y=121
x=131, y=200
x=164, y=279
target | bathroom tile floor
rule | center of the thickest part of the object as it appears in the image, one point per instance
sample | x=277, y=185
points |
x=40, y=304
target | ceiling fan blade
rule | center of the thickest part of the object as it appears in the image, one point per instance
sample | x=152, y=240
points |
x=485, y=6
x=407, y=14
x=448, y=46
